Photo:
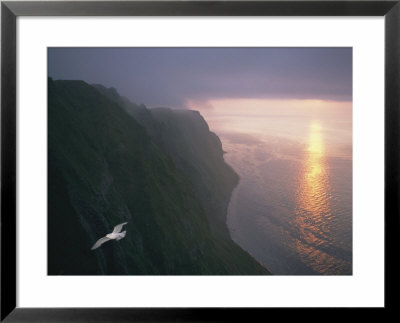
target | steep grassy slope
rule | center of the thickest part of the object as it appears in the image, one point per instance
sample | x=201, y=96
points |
x=139, y=112
x=198, y=153
x=104, y=169
x=185, y=137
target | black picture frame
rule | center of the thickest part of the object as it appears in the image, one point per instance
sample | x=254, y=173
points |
x=11, y=10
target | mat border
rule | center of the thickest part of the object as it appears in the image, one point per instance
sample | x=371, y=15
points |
x=10, y=10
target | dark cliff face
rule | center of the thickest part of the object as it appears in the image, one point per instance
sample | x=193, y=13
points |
x=106, y=167
x=139, y=112
x=185, y=136
x=198, y=153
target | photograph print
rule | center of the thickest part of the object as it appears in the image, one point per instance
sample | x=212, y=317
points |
x=199, y=161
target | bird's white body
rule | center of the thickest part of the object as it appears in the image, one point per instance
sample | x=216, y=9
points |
x=115, y=235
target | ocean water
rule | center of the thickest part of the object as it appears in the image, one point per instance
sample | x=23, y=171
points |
x=292, y=208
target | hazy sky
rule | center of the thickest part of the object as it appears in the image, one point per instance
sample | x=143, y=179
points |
x=175, y=76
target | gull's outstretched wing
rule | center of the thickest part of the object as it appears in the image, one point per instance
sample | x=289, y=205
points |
x=100, y=242
x=118, y=227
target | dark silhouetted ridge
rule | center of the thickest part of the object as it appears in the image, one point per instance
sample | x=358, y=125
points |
x=111, y=161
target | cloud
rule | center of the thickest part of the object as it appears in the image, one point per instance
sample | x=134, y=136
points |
x=175, y=76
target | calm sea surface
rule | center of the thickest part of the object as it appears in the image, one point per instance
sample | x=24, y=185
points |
x=292, y=209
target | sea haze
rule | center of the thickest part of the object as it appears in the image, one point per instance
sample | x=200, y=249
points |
x=292, y=208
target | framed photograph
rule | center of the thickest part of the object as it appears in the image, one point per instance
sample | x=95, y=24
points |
x=196, y=160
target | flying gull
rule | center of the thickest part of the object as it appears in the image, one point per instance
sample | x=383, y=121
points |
x=115, y=235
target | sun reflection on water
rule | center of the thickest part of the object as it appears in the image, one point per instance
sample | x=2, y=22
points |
x=313, y=211
x=292, y=207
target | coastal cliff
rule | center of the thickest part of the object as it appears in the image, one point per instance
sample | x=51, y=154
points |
x=161, y=170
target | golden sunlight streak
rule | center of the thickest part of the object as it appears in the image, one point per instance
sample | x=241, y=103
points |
x=313, y=204
x=267, y=117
